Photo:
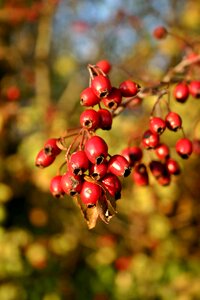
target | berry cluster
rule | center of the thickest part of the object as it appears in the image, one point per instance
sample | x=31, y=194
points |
x=91, y=174
x=183, y=90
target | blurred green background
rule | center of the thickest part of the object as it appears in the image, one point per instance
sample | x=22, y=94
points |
x=151, y=248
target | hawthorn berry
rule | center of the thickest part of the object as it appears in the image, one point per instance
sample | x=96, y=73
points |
x=173, y=121
x=88, y=97
x=157, y=168
x=162, y=151
x=196, y=146
x=71, y=184
x=184, y=147
x=181, y=92
x=105, y=119
x=160, y=32
x=90, y=193
x=113, y=99
x=13, y=93
x=150, y=139
x=89, y=119
x=104, y=65
x=164, y=179
x=133, y=154
x=51, y=148
x=129, y=88
x=98, y=171
x=140, y=175
x=194, y=88
x=101, y=86
x=119, y=165
x=78, y=162
x=173, y=166
x=113, y=185
x=43, y=159
x=55, y=186
x=96, y=149
x=157, y=125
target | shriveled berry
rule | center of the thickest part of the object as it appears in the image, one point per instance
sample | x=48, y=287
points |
x=173, y=166
x=106, y=119
x=194, y=88
x=101, y=86
x=96, y=149
x=104, y=65
x=184, y=147
x=78, y=162
x=140, y=175
x=181, y=92
x=90, y=193
x=133, y=154
x=150, y=139
x=129, y=88
x=157, y=125
x=89, y=119
x=173, y=121
x=113, y=99
x=160, y=32
x=119, y=165
x=51, y=148
x=44, y=160
x=88, y=97
x=71, y=184
x=55, y=186
x=162, y=151
x=113, y=185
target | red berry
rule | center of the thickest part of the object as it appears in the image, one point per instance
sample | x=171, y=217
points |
x=98, y=171
x=194, y=88
x=196, y=146
x=78, y=162
x=173, y=121
x=113, y=99
x=51, y=148
x=89, y=119
x=55, y=186
x=173, y=166
x=157, y=125
x=104, y=65
x=150, y=139
x=181, y=92
x=13, y=93
x=88, y=97
x=160, y=32
x=132, y=154
x=101, y=86
x=113, y=185
x=157, y=168
x=162, y=151
x=71, y=184
x=90, y=193
x=44, y=160
x=96, y=149
x=164, y=179
x=119, y=166
x=140, y=175
x=129, y=88
x=105, y=117
x=184, y=147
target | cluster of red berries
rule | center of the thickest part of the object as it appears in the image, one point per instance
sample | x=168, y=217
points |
x=91, y=173
x=183, y=90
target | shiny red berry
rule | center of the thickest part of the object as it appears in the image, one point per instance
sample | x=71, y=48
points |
x=184, y=147
x=88, y=97
x=96, y=149
x=150, y=139
x=43, y=159
x=89, y=119
x=173, y=166
x=101, y=86
x=160, y=32
x=55, y=186
x=173, y=121
x=71, y=184
x=113, y=99
x=129, y=88
x=78, y=162
x=181, y=92
x=105, y=118
x=133, y=154
x=113, y=185
x=194, y=88
x=51, y=148
x=104, y=65
x=162, y=151
x=90, y=193
x=119, y=166
x=157, y=125
x=98, y=171
x=140, y=175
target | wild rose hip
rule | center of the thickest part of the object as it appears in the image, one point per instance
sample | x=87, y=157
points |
x=113, y=185
x=173, y=121
x=105, y=119
x=78, y=162
x=90, y=193
x=101, y=86
x=129, y=88
x=88, y=97
x=157, y=125
x=194, y=88
x=55, y=186
x=89, y=119
x=150, y=139
x=119, y=165
x=184, y=147
x=71, y=184
x=96, y=149
x=44, y=160
x=181, y=92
